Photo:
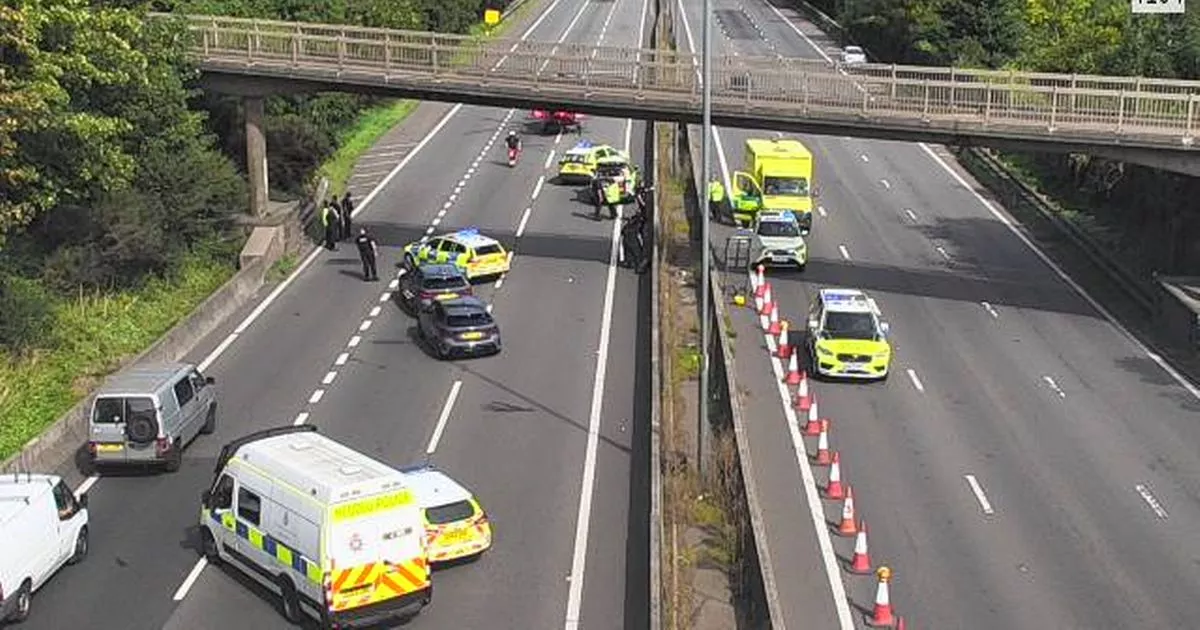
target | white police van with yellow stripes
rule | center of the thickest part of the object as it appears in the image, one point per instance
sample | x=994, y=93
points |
x=338, y=535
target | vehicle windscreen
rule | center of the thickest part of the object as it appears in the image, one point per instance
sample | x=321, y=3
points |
x=462, y=319
x=487, y=250
x=778, y=228
x=443, y=283
x=449, y=513
x=118, y=409
x=785, y=186
x=574, y=158
x=850, y=325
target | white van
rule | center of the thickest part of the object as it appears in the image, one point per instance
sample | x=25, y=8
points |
x=336, y=534
x=42, y=527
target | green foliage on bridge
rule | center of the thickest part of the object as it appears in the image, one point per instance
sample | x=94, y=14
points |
x=1151, y=216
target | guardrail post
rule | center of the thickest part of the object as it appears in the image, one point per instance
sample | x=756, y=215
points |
x=1191, y=118
x=1121, y=113
x=296, y=47
x=206, y=45
x=1053, y=107
x=387, y=54
x=1137, y=101
x=250, y=50
x=341, y=42
x=925, y=106
x=804, y=89
x=953, y=79
x=987, y=103
x=433, y=55
x=216, y=34
x=257, y=37
x=1074, y=85
x=893, y=94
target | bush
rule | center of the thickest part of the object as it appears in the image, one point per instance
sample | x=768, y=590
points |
x=25, y=315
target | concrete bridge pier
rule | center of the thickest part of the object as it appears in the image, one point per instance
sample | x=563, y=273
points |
x=256, y=155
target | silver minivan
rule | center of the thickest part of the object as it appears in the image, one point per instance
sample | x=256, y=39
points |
x=148, y=413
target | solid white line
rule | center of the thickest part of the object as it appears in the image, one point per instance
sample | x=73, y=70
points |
x=191, y=578
x=527, y=33
x=570, y=27
x=375, y=311
x=301, y=418
x=549, y=159
x=443, y=418
x=499, y=282
x=365, y=325
x=316, y=397
x=1054, y=386
x=845, y=252
x=912, y=215
x=524, y=220
x=916, y=381
x=354, y=341
x=799, y=32
x=86, y=485
x=821, y=210
x=329, y=376
x=1152, y=501
x=342, y=358
x=1058, y=271
x=583, y=522
x=979, y=495
x=537, y=189
x=991, y=311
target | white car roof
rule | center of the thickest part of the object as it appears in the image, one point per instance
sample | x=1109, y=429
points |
x=435, y=488
x=847, y=301
x=785, y=216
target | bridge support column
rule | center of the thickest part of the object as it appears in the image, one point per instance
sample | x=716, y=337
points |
x=256, y=155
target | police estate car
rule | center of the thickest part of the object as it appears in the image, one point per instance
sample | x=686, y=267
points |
x=578, y=164
x=846, y=335
x=476, y=255
x=777, y=240
x=455, y=524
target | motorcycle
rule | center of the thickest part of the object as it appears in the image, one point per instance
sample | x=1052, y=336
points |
x=513, y=154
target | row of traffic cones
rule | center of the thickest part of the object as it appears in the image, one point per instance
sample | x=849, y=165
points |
x=804, y=401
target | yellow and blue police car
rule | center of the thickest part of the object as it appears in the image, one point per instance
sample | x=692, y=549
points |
x=579, y=162
x=476, y=255
x=847, y=337
x=456, y=526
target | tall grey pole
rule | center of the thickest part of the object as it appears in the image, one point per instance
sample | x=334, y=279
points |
x=705, y=263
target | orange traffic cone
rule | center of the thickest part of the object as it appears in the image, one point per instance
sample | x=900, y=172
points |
x=900, y=624
x=833, y=489
x=784, y=344
x=882, y=616
x=861, y=562
x=759, y=278
x=764, y=316
x=848, y=527
x=793, y=375
x=773, y=329
x=768, y=301
x=762, y=284
x=813, y=427
x=803, y=400
x=822, y=458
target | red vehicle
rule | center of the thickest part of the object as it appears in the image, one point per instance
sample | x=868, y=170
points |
x=558, y=120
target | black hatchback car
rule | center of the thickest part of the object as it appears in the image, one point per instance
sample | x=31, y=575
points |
x=425, y=284
x=459, y=327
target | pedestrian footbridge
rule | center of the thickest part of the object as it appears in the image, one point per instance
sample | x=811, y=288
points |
x=1150, y=121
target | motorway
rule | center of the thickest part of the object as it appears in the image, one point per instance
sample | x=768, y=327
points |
x=550, y=434
x=1027, y=465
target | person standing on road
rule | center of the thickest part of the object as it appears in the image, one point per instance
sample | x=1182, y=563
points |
x=716, y=198
x=368, y=249
x=330, y=223
x=633, y=241
x=347, y=209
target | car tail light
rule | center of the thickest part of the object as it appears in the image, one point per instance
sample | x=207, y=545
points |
x=162, y=445
x=427, y=295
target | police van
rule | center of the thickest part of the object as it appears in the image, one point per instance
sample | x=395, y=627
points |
x=42, y=527
x=336, y=534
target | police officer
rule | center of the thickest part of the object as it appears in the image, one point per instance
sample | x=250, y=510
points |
x=347, y=208
x=367, y=250
x=598, y=192
x=330, y=222
x=716, y=198
x=633, y=240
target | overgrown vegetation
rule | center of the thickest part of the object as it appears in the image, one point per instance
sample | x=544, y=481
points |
x=1150, y=216
x=119, y=181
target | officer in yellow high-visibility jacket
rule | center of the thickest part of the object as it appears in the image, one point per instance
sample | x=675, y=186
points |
x=331, y=222
x=716, y=198
x=608, y=195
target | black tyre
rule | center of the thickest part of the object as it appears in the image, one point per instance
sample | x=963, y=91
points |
x=81, y=547
x=208, y=547
x=210, y=421
x=174, y=457
x=141, y=429
x=289, y=603
x=24, y=603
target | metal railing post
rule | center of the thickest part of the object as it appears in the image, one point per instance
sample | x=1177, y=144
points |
x=1053, y=107
x=987, y=103
x=296, y=47
x=250, y=50
x=925, y=106
x=804, y=89
x=953, y=86
x=341, y=50
x=1137, y=101
x=1191, y=115
x=1121, y=112
x=433, y=55
x=1074, y=85
x=893, y=91
x=216, y=34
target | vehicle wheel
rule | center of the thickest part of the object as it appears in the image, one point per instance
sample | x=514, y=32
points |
x=81, y=546
x=24, y=603
x=175, y=457
x=801, y=267
x=290, y=604
x=210, y=421
x=208, y=547
x=443, y=352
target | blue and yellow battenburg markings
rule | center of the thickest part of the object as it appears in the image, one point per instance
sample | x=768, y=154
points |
x=282, y=553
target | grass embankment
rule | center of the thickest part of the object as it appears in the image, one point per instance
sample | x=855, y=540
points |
x=92, y=334
x=95, y=332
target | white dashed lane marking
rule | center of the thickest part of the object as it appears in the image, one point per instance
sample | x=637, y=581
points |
x=916, y=380
x=301, y=418
x=1049, y=380
x=990, y=309
x=977, y=490
x=845, y=252
x=316, y=397
x=329, y=376
x=1152, y=501
x=354, y=341
x=342, y=359
x=942, y=250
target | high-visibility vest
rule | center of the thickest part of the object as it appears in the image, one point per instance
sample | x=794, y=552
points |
x=327, y=214
x=716, y=192
x=612, y=192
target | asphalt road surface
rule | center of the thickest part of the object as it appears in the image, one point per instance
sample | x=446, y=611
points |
x=1027, y=465
x=544, y=433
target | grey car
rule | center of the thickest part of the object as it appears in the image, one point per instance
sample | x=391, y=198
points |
x=459, y=328
x=421, y=285
x=147, y=414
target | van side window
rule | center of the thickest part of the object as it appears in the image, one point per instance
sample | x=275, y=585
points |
x=249, y=506
x=64, y=500
x=222, y=496
x=184, y=392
